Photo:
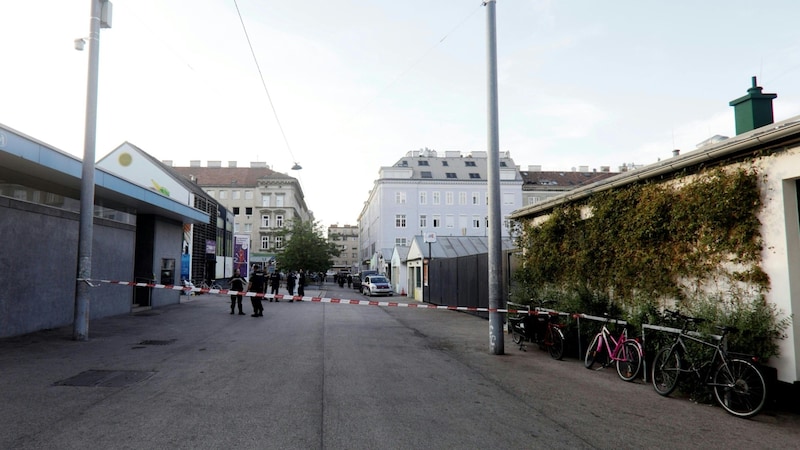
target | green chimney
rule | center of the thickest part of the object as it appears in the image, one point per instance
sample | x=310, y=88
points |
x=754, y=110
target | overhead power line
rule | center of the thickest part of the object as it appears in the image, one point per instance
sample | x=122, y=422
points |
x=264, y=84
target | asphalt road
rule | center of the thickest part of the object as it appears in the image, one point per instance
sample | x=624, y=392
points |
x=333, y=376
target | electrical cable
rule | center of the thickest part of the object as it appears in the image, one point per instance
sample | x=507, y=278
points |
x=264, y=84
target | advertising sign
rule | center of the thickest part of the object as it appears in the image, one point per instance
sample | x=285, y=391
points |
x=241, y=253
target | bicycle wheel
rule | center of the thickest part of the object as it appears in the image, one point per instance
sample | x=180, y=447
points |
x=740, y=388
x=666, y=370
x=516, y=337
x=629, y=360
x=556, y=347
x=591, y=352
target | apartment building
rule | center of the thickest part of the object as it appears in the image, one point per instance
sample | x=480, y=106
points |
x=263, y=201
x=345, y=237
x=424, y=193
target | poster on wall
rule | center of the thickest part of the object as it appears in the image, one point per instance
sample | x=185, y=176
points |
x=241, y=253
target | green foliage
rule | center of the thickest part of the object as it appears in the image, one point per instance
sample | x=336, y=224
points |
x=635, y=249
x=306, y=248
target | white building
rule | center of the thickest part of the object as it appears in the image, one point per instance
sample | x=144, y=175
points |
x=427, y=193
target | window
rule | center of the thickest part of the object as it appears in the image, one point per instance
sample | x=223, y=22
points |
x=474, y=176
x=448, y=198
x=236, y=194
x=354, y=255
x=279, y=221
x=437, y=198
x=450, y=221
x=422, y=163
x=534, y=200
x=265, y=200
x=210, y=194
x=264, y=242
x=476, y=199
x=278, y=241
x=248, y=227
x=508, y=198
x=423, y=221
x=400, y=221
x=444, y=163
x=469, y=163
x=223, y=195
x=503, y=164
x=451, y=175
x=248, y=194
x=423, y=198
x=426, y=174
x=462, y=198
x=265, y=221
x=400, y=242
x=279, y=198
x=400, y=198
x=235, y=210
x=248, y=211
x=436, y=221
x=476, y=222
x=235, y=226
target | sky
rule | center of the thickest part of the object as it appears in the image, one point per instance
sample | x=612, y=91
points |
x=344, y=88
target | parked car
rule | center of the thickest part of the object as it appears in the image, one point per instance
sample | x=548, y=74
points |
x=375, y=285
x=357, y=281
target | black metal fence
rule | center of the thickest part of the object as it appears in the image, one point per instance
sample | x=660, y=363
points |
x=464, y=281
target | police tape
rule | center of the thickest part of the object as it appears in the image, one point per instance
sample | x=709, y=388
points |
x=299, y=298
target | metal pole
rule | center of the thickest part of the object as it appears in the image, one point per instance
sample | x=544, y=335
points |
x=86, y=232
x=496, y=338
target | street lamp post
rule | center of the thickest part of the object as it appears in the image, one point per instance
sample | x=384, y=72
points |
x=100, y=17
x=496, y=343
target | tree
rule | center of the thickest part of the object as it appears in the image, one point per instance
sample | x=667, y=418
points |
x=306, y=248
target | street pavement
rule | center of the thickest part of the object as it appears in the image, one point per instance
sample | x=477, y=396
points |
x=334, y=376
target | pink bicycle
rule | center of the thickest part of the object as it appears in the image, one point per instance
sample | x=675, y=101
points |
x=626, y=353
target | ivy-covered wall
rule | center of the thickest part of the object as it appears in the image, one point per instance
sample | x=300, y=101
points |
x=694, y=243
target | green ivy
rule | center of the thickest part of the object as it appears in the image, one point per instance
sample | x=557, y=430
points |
x=649, y=245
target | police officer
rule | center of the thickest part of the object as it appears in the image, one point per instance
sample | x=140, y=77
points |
x=257, y=284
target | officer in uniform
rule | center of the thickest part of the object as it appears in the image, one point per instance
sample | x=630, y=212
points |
x=258, y=284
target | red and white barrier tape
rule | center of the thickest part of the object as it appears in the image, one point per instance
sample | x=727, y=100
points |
x=298, y=298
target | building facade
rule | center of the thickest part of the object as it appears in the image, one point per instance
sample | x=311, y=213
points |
x=539, y=186
x=345, y=237
x=772, y=150
x=264, y=202
x=425, y=193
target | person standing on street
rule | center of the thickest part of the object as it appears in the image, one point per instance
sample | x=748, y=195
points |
x=238, y=285
x=275, y=283
x=258, y=284
x=301, y=283
x=290, y=279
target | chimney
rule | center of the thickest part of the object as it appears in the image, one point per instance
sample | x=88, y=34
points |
x=754, y=110
x=167, y=162
x=231, y=163
x=215, y=164
x=258, y=164
x=535, y=168
x=676, y=152
x=194, y=163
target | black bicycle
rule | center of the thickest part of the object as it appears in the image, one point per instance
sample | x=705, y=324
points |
x=738, y=385
x=540, y=326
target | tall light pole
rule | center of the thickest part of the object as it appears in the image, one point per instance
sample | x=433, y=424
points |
x=496, y=342
x=100, y=17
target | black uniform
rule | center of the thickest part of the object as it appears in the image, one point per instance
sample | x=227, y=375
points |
x=258, y=283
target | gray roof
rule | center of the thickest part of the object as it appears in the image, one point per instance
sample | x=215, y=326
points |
x=456, y=246
x=451, y=168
